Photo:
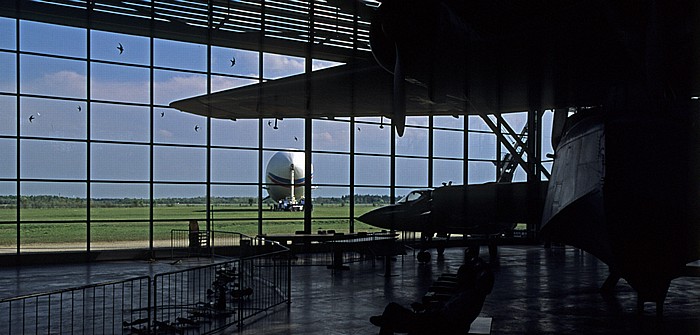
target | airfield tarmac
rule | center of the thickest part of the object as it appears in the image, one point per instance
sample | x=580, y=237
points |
x=537, y=291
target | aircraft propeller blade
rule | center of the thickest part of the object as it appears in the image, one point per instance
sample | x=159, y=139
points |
x=399, y=98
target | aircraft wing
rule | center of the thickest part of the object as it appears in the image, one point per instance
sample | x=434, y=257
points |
x=358, y=89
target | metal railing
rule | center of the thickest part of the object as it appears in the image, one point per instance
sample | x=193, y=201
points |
x=106, y=308
x=184, y=243
x=209, y=298
x=199, y=300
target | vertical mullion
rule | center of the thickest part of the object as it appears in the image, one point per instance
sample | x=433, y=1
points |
x=88, y=194
x=152, y=130
x=352, y=119
x=308, y=121
x=431, y=152
x=18, y=115
x=208, y=173
x=392, y=181
x=260, y=106
x=465, y=149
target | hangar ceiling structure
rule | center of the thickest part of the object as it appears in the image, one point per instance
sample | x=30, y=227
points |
x=262, y=25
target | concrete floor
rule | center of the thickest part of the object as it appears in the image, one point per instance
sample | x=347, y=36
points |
x=537, y=291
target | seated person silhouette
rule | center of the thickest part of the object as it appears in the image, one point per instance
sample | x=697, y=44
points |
x=453, y=316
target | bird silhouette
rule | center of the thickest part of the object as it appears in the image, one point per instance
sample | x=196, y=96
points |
x=358, y=129
x=233, y=61
x=80, y=108
x=269, y=123
x=162, y=114
x=120, y=48
x=196, y=128
x=295, y=138
x=31, y=118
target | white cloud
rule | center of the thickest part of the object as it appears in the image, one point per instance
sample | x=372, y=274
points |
x=61, y=83
x=165, y=134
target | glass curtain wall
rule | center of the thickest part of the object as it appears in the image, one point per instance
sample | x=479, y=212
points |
x=93, y=157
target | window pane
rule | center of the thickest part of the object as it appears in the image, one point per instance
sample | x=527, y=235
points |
x=52, y=159
x=444, y=121
x=180, y=55
x=8, y=72
x=238, y=166
x=481, y=172
x=220, y=83
x=7, y=38
x=331, y=135
x=175, y=205
x=412, y=172
x=8, y=163
x=371, y=170
x=173, y=126
x=482, y=146
x=367, y=199
x=277, y=66
x=370, y=138
x=235, y=208
x=516, y=121
x=112, y=206
x=8, y=115
x=53, y=216
x=417, y=120
x=120, y=162
x=288, y=135
x=8, y=217
x=52, y=39
x=179, y=164
x=477, y=123
x=445, y=171
x=331, y=169
x=413, y=143
x=448, y=143
x=120, y=83
x=53, y=118
x=547, y=119
x=170, y=86
x=120, y=123
x=104, y=46
x=53, y=77
x=331, y=209
x=240, y=133
x=319, y=64
x=246, y=62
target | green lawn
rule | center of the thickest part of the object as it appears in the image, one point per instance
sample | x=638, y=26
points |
x=46, y=227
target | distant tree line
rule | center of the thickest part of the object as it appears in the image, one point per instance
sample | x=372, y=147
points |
x=53, y=201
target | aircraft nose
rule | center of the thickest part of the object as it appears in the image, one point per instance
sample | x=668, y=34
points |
x=373, y=218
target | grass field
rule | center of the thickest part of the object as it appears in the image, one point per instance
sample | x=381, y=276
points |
x=68, y=226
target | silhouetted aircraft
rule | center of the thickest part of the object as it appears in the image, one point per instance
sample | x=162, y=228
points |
x=627, y=179
x=485, y=210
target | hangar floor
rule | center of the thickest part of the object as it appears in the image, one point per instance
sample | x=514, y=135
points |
x=537, y=291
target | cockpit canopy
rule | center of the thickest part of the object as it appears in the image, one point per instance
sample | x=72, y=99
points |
x=414, y=196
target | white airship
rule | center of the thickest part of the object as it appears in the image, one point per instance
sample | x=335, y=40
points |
x=285, y=179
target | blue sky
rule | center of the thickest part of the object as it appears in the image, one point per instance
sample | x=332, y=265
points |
x=65, y=118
